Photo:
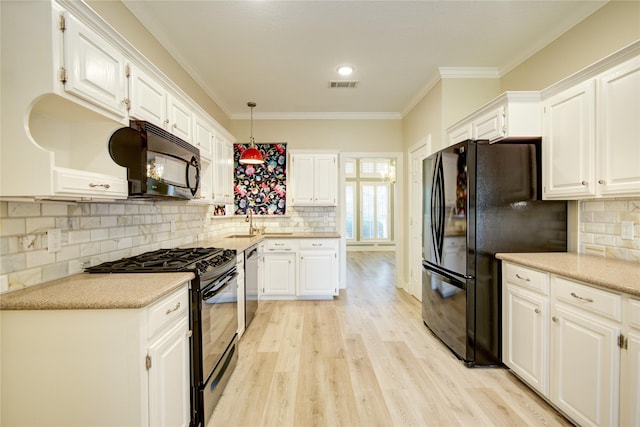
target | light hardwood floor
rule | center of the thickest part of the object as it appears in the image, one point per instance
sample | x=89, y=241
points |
x=365, y=359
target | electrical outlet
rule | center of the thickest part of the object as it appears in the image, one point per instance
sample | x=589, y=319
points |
x=54, y=240
x=627, y=230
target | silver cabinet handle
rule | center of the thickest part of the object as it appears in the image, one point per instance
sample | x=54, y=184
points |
x=175, y=307
x=537, y=310
x=93, y=185
x=573, y=294
x=525, y=278
x=316, y=244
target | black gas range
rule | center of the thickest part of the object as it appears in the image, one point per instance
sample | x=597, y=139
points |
x=213, y=314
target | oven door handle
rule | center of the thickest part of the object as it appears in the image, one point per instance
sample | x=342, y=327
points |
x=219, y=286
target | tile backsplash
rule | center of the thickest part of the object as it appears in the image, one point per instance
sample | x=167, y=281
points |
x=93, y=233
x=600, y=228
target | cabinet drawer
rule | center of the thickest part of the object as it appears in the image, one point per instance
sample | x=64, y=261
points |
x=526, y=277
x=318, y=244
x=597, y=301
x=167, y=310
x=634, y=313
x=81, y=183
x=281, y=245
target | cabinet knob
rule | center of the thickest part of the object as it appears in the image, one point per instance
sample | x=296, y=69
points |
x=555, y=319
x=537, y=310
x=585, y=183
x=601, y=181
x=174, y=125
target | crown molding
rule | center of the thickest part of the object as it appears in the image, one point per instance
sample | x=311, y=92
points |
x=469, y=72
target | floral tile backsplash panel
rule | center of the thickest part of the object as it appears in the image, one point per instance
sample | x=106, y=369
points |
x=262, y=188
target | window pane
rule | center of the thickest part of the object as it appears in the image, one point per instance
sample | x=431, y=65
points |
x=382, y=167
x=367, y=211
x=350, y=209
x=350, y=168
x=367, y=168
x=382, y=211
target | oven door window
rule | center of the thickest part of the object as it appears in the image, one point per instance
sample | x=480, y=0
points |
x=178, y=172
x=219, y=320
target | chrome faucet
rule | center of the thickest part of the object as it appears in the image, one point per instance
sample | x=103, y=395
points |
x=249, y=219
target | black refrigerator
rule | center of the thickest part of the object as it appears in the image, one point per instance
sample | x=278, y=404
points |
x=480, y=199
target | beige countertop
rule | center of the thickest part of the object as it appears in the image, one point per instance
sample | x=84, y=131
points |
x=242, y=243
x=95, y=291
x=608, y=273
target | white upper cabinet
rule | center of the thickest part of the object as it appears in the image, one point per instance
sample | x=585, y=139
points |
x=203, y=136
x=61, y=104
x=569, y=143
x=148, y=98
x=314, y=180
x=618, y=130
x=511, y=115
x=94, y=70
x=591, y=138
x=223, y=171
x=151, y=101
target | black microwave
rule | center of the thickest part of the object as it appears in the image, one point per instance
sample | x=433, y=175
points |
x=159, y=164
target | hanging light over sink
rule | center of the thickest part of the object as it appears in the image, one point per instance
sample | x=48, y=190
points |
x=251, y=156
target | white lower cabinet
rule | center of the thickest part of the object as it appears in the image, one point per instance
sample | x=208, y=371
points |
x=279, y=274
x=573, y=343
x=526, y=326
x=97, y=367
x=630, y=365
x=303, y=268
x=318, y=267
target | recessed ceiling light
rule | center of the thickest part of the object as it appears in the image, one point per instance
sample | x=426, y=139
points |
x=345, y=70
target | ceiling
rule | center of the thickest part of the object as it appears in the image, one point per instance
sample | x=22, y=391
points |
x=282, y=54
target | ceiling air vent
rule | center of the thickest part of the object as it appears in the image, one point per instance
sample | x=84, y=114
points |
x=336, y=84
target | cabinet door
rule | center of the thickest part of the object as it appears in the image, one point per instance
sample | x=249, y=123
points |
x=180, y=119
x=302, y=179
x=202, y=137
x=318, y=273
x=618, y=112
x=525, y=336
x=490, y=126
x=585, y=367
x=169, y=377
x=325, y=180
x=569, y=143
x=630, y=382
x=279, y=274
x=223, y=184
x=147, y=98
x=95, y=69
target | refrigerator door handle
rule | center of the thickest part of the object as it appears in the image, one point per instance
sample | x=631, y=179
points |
x=427, y=265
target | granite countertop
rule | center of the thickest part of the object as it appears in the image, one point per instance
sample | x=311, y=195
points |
x=95, y=291
x=621, y=276
x=242, y=243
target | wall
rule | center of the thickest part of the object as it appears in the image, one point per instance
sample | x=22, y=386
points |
x=97, y=232
x=324, y=134
x=612, y=27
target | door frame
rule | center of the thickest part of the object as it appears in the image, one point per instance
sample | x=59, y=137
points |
x=416, y=153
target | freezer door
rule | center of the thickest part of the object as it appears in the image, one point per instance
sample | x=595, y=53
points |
x=444, y=308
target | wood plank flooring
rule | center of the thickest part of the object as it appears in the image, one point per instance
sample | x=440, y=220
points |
x=365, y=359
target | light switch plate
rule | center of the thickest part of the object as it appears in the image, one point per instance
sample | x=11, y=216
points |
x=626, y=232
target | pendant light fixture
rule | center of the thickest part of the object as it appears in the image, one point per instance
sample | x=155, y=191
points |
x=251, y=156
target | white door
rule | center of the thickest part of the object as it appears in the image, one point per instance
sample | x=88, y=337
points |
x=569, y=143
x=169, y=378
x=417, y=154
x=525, y=336
x=585, y=367
x=325, y=179
x=318, y=273
x=630, y=382
x=95, y=69
x=618, y=113
x=279, y=274
x=148, y=98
